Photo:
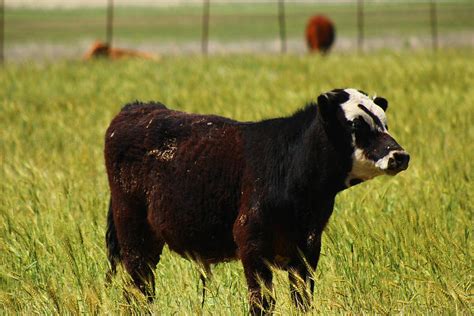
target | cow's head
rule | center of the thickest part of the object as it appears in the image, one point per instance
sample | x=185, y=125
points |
x=362, y=120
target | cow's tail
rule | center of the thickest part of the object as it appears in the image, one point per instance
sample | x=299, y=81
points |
x=113, y=247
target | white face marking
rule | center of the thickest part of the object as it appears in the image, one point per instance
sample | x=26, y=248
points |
x=382, y=163
x=364, y=168
x=352, y=110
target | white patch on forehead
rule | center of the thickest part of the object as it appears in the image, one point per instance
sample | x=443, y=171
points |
x=352, y=110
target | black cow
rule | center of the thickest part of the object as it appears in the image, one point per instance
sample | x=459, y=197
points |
x=214, y=189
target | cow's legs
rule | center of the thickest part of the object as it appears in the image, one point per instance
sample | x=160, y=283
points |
x=140, y=248
x=299, y=274
x=257, y=273
x=205, y=274
x=253, y=250
x=300, y=294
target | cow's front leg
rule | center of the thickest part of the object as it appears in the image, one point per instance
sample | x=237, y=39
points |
x=258, y=273
x=299, y=291
x=300, y=270
x=254, y=250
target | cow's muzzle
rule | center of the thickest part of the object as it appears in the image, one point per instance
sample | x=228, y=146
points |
x=398, y=162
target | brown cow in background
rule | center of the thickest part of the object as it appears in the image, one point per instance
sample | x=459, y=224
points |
x=320, y=34
x=104, y=50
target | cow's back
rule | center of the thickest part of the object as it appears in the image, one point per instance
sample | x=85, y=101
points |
x=186, y=169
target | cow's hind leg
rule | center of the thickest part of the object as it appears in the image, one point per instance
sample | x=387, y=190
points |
x=140, y=247
x=205, y=274
x=113, y=248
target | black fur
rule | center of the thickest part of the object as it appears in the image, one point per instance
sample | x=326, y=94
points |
x=138, y=105
x=382, y=102
x=113, y=247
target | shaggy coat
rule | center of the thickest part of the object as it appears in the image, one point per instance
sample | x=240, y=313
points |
x=214, y=189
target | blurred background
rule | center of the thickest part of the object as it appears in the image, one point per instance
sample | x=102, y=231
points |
x=52, y=29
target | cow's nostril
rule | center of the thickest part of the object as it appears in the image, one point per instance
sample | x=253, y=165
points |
x=392, y=164
x=401, y=160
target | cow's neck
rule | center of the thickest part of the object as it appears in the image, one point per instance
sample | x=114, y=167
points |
x=321, y=162
x=296, y=158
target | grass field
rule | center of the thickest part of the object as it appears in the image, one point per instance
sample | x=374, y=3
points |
x=393, y=245
x=229, y=22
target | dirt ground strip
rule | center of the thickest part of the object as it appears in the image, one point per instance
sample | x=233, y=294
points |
x=49, y=51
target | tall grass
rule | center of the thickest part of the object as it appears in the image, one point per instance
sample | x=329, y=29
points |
x=393, y=245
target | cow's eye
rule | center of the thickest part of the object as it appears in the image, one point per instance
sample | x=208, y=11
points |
x=359, y=125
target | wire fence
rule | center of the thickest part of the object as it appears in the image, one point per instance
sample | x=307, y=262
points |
x=211, y=26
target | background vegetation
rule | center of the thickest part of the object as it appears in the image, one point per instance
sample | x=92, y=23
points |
x=230, y=22
x=393, y=245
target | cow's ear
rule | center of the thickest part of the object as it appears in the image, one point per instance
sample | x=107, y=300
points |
x=325, y=106
x=382, y=102
x=329, y=102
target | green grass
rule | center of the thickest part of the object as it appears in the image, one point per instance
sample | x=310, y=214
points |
x=393, y=245
x=229, y=22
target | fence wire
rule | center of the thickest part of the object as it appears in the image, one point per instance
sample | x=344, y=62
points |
x=44, y=29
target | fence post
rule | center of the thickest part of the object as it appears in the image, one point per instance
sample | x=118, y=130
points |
x=281, y=20
x=434, y=25
x=205, y=27
x=2, y=30
x=110, y=22
x=360, y=24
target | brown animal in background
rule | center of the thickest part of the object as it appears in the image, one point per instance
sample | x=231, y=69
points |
x=320, y=34
x=100, y=49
